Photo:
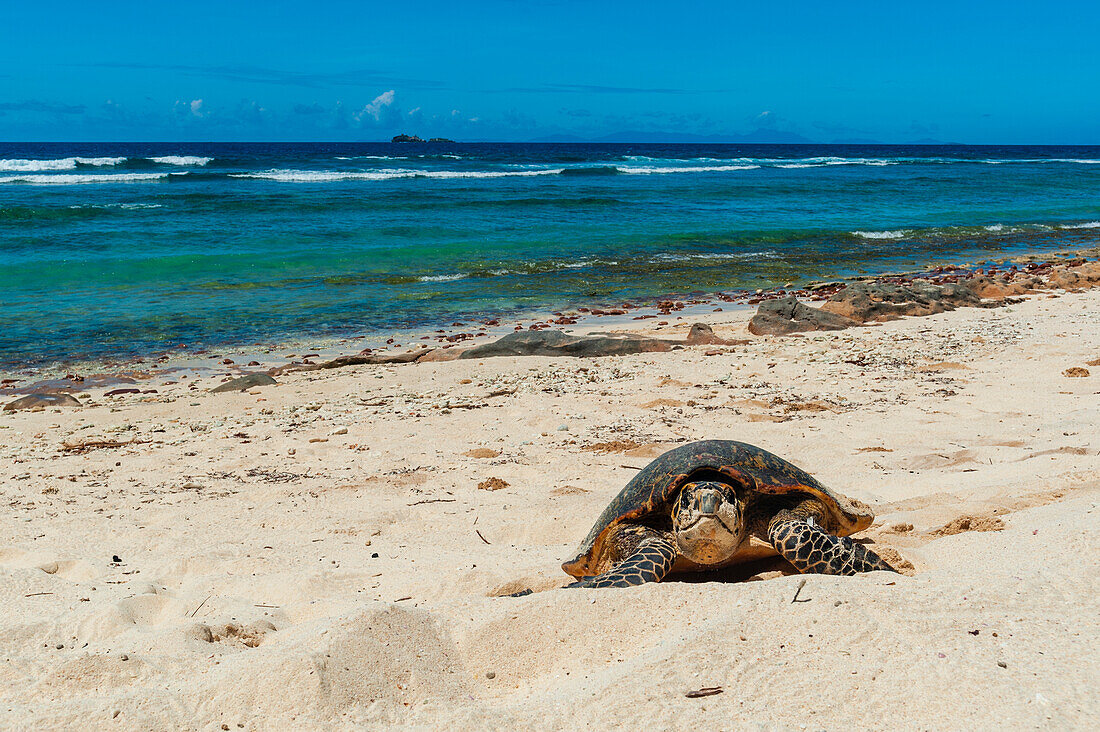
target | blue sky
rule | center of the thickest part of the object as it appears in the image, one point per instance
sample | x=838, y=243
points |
x=972, y=72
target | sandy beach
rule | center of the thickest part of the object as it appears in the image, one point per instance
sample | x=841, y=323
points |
x=330, y=551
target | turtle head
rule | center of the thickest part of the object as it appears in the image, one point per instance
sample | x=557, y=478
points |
x=709, y=522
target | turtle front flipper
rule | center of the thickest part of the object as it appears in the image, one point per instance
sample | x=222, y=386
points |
x=648, y=555
x=799, y=538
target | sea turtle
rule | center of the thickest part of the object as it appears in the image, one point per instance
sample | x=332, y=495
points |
x=714, y=503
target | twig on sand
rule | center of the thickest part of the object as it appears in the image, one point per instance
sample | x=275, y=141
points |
x=482, y=537
x=433, y=500
x=705, y=691
x=630, y=467
x=199, y=607
x=801, y=584
x=36, y=594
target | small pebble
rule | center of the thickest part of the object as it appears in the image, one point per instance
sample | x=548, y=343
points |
x=1002, y=664
x=59, y=646
x=490, y=674
x=125, y=657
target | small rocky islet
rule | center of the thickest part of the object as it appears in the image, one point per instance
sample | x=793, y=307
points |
x=414, y=138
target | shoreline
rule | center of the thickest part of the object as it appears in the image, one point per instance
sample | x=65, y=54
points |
x=170, y=365
x=331, y=550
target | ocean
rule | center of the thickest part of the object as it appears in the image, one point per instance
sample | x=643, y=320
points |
x=116, y=251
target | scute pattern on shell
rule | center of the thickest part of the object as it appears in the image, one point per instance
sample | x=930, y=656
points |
x=757, y=470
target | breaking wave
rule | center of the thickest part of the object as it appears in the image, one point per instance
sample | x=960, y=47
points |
x=182, y=160
x=326, y=176
x=79, y=179
x=880, y=234
x=34, y=166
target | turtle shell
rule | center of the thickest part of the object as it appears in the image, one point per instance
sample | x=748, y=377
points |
x=757, y=471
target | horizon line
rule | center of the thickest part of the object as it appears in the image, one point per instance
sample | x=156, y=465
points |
x=868, y=143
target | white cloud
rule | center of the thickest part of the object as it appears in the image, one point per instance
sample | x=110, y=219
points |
x=189, y=110
x=377, y=107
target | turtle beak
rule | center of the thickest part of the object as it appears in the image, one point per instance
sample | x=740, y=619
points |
x=709, y=501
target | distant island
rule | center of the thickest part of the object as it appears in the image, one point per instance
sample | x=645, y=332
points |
x=414, y=138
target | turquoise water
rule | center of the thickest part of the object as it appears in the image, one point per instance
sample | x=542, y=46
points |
x=119, y=250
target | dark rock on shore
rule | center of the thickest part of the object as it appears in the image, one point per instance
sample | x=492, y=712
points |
x=364, y=358
x=43, y=400
x=536, y=343
x=1076, y=275
x=406, y=138
x=702, y=334
x=998, y=288
x=245, y=382
x=557, y=343
x=881, y=301
x=788, y=315
x=893, y=298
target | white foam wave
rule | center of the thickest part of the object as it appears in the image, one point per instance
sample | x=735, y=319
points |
x=741, y=256
x=1002, y=161
x=880, y=234
x=123, y=206
x=834, y=160
x=995, y=227
x=33, y=166
x=77, y=179
x=486, y=173
x=181, y=160
x=372, y=157
x=1086, y=225
x=773, y=162
x=851, y=161
x=649, y=159
x=326, y=176
x=442, y=278
x=657, y=170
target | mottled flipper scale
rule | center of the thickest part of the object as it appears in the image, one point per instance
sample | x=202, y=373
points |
x=811, y=549
x=650, y=561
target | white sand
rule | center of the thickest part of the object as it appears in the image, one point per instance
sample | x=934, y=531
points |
x=247, y=595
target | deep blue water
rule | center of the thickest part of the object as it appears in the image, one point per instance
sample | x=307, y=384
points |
x=110, y=250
